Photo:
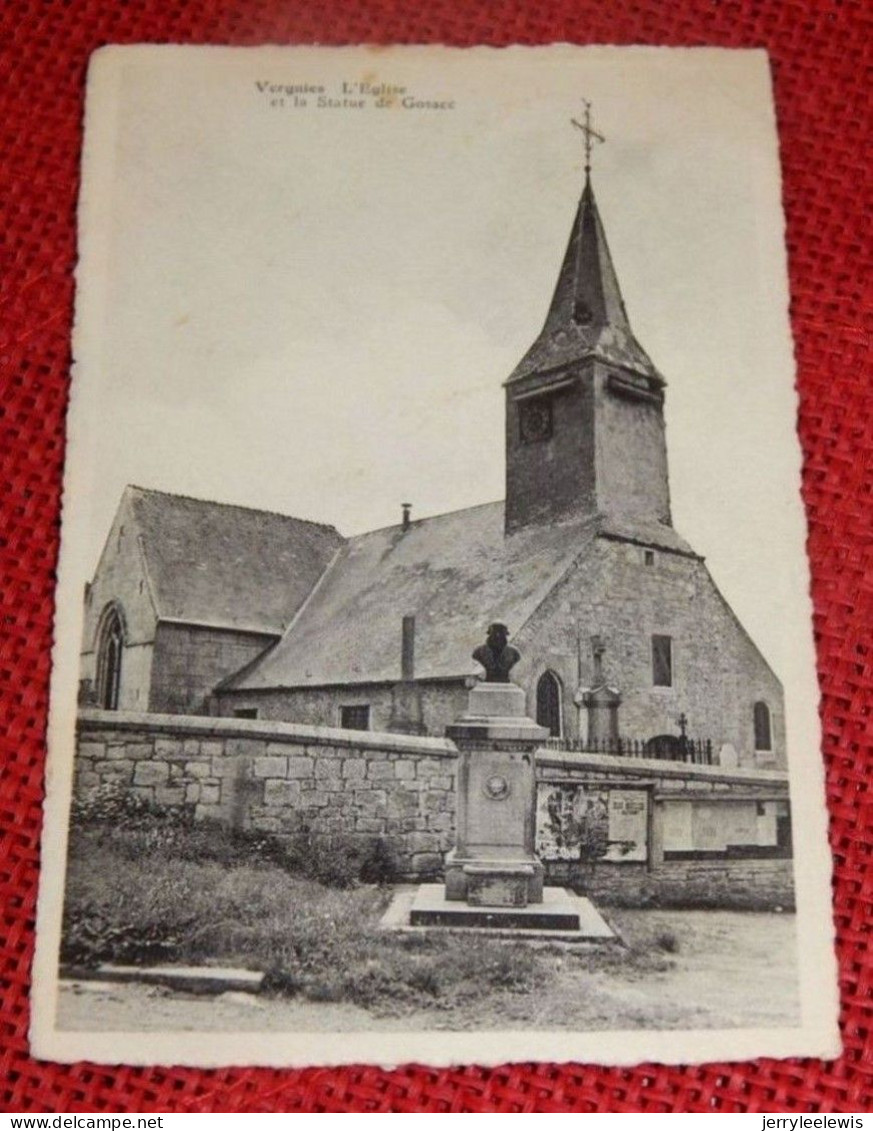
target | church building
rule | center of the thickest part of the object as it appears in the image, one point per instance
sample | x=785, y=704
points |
x=626, y=641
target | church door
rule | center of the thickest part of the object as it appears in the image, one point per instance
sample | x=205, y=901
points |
x=549, y=703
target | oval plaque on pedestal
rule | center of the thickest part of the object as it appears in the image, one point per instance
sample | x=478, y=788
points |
x=496, y=787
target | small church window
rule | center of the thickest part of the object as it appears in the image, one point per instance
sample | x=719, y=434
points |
x=649, y=557
x=245, y=712
x=549, y=703
x=763, y=739
x=662, y=661
x=109, y=653
x=356, y=717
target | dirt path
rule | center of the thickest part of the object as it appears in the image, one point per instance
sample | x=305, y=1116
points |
x=726, y=969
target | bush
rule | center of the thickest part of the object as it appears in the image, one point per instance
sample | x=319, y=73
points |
x=108, y=803
x=378, y=865
x=134, y=826
x=340, y=861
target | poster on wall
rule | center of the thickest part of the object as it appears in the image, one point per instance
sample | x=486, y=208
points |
x=588, y=823
x=715, y=829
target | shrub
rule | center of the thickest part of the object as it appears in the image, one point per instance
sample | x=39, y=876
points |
x=108, y=803
x=340, y=861
x=378, y=865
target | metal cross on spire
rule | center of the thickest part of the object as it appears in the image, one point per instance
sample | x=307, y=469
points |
x=590, y=133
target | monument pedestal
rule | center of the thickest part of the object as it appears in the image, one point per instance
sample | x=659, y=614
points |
x=493, y=863
x=494, y=879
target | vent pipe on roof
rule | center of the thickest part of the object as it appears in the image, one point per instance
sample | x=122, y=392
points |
x=407, y=521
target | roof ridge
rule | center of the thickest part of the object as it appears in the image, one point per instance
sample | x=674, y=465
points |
x=427, y=518
x=232, y=506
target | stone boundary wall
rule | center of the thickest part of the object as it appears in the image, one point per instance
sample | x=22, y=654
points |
x=285, y=778
x=282, y=778
x=722, y=881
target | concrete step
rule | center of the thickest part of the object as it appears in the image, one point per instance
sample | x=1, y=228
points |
x=560, y=911
x=190, y=979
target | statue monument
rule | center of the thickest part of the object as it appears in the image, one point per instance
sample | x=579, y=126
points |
x=493, y=877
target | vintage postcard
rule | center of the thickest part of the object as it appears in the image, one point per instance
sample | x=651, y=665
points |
x=433, y=676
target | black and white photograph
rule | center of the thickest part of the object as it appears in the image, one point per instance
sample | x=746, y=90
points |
x=433, y=673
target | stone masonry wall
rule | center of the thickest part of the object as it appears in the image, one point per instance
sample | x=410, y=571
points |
x=441, y=703
x=748, y=884
x=553, y=478
x=717, y=882
x=189, y=660
x=718, y=673
x=282, y=778
x=639, y=484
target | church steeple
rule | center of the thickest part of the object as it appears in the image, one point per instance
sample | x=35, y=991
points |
x=587, y=292
x=584, y=407
x=587, y=316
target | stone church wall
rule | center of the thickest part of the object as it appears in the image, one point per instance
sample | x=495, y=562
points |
x=718, y=673
x=120, y=581
x=630, y=453
x=282, y=778
x=540, y=487
x=189, y=660
x=441, y=703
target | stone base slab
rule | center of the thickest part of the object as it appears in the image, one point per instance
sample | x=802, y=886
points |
x=504, y=887
x=482, y=880
x=561, y=913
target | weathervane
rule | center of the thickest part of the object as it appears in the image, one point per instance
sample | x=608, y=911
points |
x=590, y=134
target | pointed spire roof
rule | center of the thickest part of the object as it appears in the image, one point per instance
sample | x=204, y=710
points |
x=587, y=316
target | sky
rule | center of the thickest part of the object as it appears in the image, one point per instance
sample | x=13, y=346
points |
x=311, y=309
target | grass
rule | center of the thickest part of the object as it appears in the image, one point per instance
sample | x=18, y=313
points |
x=145, y=888
x=192, y=895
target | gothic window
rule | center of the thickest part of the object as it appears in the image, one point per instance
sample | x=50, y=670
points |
x=549, y=703
x=763, y=740
x=356, y=717
x=662, y=661
x=109, y=652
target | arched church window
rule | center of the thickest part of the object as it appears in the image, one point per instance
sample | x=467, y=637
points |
x=109, y=652
x=763, y=739
x=549, y=703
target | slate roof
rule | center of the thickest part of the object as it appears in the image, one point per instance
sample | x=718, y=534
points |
x=211, y=563
x=456, y=573
x=587, y=316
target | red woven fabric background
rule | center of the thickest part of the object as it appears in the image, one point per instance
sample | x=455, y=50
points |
x=821, y=52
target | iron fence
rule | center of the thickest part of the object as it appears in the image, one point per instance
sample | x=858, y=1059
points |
x=665, y=748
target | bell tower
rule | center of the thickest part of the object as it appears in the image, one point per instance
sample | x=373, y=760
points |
x=585, y=406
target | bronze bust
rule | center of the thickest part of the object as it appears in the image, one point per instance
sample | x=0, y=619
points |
x=497, y=656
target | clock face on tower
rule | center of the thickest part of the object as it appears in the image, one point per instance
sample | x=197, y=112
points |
x=535, y=418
